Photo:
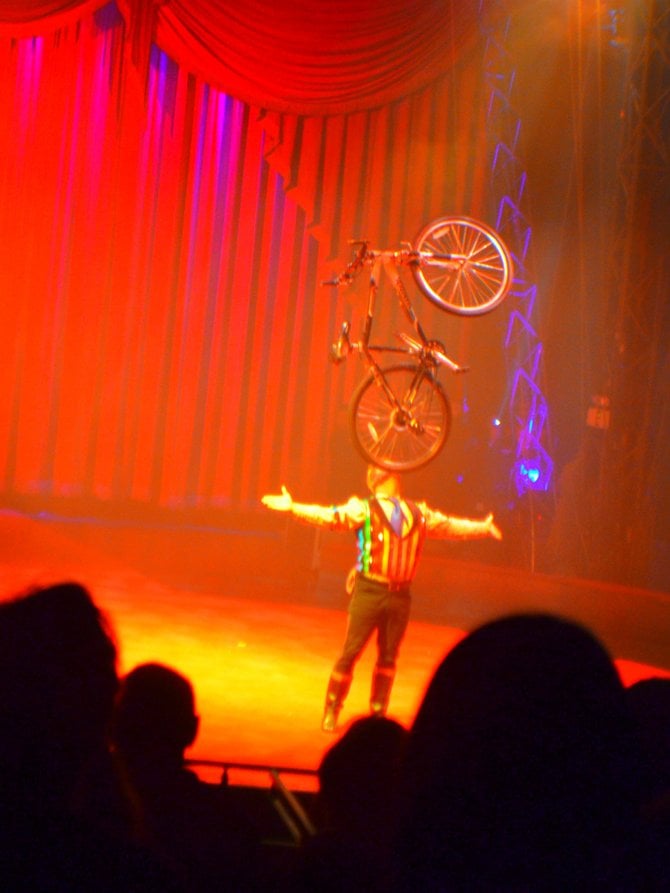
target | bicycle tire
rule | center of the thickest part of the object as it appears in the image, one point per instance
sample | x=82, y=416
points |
x=387, y=439
x=464, y=266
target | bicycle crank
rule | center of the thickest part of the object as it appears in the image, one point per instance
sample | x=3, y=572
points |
x=340, y=349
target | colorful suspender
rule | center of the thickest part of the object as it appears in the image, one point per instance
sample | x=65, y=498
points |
x=365, y=540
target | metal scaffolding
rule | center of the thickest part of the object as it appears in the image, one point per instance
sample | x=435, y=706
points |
x=633, y=495
x=524, y=415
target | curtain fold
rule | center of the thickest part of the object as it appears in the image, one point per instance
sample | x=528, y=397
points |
x=305, y=57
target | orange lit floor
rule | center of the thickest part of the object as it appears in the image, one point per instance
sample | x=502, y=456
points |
x=259, y=659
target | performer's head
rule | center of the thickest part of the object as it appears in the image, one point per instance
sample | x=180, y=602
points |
x=379, y=480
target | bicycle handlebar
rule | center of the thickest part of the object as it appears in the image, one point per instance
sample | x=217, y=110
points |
x=366, y=255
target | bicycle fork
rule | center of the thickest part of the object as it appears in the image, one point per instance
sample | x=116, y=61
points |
x=341, y=349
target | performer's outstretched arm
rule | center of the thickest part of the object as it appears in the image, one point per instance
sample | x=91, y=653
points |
x=441, y=526
x=345, y=516
x=278, y=502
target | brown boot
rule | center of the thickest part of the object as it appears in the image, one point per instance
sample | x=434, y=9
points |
x=382, y=683
x=338, y=689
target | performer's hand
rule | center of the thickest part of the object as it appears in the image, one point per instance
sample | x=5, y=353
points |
x=279, y=502
x=492, y=527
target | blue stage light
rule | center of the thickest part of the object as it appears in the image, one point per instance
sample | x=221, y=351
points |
x=532, y=476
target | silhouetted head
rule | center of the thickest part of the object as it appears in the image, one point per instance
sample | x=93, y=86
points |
x=520, y=759
x=359, y=775
x=57, y=681
x=155, y=712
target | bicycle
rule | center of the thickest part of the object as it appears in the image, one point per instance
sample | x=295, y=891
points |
x=400, y=416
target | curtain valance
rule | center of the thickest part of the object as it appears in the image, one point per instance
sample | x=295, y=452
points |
x=30, y=18
x=306, y=57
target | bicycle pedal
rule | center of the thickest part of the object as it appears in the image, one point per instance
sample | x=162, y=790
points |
x=335, y=355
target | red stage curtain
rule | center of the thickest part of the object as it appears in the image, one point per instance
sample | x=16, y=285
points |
x=305, y=57
x=164, y=334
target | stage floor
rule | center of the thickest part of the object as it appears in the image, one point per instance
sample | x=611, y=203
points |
x=258, y=648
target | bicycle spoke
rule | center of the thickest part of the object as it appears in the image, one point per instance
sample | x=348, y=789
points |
x=463, y=266
x=478, y=262
x=384, y=444
x=375, y=436
x=427, y=410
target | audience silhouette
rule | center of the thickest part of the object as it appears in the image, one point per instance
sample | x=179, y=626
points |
x=649, y=700
x=359, y=783
x=57, y=684
x=528, y=768
x=521, y=770
x=193, y=827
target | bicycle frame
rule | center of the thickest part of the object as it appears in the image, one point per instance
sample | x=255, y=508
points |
x=430, y=353
x=399, y=414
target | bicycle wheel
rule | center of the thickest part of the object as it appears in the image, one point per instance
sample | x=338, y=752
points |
x=464, y=266
x=405, y=436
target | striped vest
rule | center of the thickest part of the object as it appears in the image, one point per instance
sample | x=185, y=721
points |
x=381, y=551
